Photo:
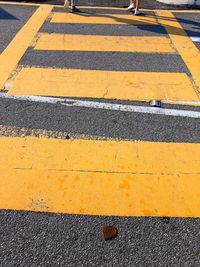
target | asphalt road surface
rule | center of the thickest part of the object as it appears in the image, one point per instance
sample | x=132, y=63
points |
x=81, y=147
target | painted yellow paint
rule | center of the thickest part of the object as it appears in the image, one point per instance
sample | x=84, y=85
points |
x=101, y=156
x=100, y=193
x=103, y=84
x=102, y=18
x=17, y=47
x=104, y=43
x=13, y=131
x=184, y=45
x=90, y=177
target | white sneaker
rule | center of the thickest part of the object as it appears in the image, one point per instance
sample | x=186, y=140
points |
x=67, y=3
x=137, y=12
x=131, y=6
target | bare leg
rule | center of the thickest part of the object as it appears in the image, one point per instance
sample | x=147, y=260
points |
x=131, y=6
x=137, y=6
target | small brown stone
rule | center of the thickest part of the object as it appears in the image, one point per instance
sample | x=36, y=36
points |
x=109, y=232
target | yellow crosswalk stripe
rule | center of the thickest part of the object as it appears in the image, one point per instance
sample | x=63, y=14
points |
x=17, y=47
x=100, y=177
x=103, y=84
x=120, y=178
x=104, y=43
x=184, y=45
x=102, y=19
x=102, y=156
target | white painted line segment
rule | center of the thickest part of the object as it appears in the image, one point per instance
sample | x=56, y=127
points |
x=103, y=105
x=195, y=38
x=137, y=109
x=183, y=103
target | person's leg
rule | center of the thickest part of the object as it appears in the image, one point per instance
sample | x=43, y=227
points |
x=131, y=5
x=67, y=3
x=137, y=4
x=137, y=7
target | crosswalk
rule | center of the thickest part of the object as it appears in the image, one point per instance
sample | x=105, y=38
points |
x=103, y=84
x=82, y=176
x=100, y=177
x=100, y=84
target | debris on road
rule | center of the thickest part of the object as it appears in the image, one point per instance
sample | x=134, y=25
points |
x=109, y=232
x=155, y=103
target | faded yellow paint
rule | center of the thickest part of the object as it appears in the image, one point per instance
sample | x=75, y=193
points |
x=102, y=18
x=17, y=47
x=102, y=156
x=103, y=84
x=13, y=131
x=184, y=45
x=90, y=177
x=100, y=193
x=104, y=43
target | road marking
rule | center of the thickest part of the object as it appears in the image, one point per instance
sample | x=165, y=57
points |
x=103, y=84
x=195, y=38
x=100, y=156
x=183, y=103
x=102, y=18
x=138, y=109
x=182, y=42
x=110, y=106
x=104, y=43
x=89, y=177
x=13, y=131
x=100, y=193
x=10, y=57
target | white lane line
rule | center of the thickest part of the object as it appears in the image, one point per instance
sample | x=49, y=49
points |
x=180, y=102
x=195, y=38
x=137, y=109
x=103, y=105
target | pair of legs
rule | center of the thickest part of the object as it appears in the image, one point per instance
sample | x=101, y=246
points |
x=137, y=6
x=71, y=3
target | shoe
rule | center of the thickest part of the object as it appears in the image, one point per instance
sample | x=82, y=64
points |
x=131, y=7
x=138, y=13
x=75, y=10
x=67, y=3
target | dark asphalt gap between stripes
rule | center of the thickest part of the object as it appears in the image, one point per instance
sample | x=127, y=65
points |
x=111, y=61
x=197, y=45
x=12, y=19
x=104, y=29
x=101, y=123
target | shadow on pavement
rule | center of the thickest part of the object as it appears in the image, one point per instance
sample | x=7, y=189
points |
x=5, y=15
x=173, y=30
